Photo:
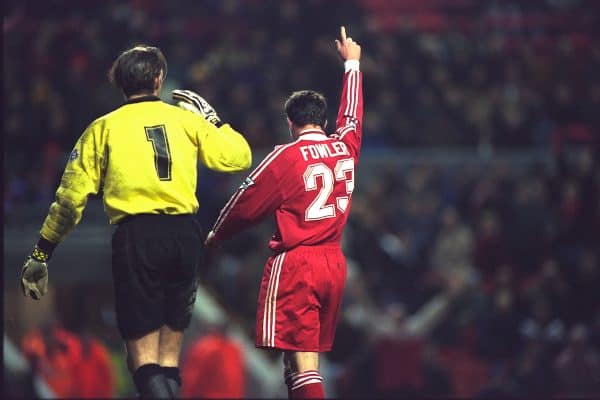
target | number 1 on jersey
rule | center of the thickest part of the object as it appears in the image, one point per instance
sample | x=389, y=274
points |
x=343, y=171
x=162, y=153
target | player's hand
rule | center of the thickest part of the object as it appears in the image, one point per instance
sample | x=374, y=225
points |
x=34, y=278
x=193, y=102
x=346, y=47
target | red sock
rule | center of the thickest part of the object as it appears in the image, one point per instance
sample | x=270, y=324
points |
x=305, y=385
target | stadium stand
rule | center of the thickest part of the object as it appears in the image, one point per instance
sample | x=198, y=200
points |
x=479, y=263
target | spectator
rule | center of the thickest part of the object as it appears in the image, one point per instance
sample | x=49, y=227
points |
x=213, y=367
x=485, y=76
x=454, y=244
x=534, y=374
x=499, y=335
x=585, y=281
x=55, y=354
x=490, y=249
x=93, y=376
x=542, y=325
x=487, y=91
x=578, y=366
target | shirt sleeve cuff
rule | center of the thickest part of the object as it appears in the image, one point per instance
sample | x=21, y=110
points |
x=352, y=65
x=46, y=246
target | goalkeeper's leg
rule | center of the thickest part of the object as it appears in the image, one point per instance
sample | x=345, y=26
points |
x=168, y=357
x=180, y=287
x=143, y=359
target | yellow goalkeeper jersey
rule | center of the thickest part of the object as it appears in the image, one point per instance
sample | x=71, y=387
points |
x=144, y=157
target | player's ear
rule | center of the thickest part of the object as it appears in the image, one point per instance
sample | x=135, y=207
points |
x=158, y=81
x=290, y=124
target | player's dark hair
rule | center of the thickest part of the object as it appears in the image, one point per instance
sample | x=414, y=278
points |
x=136, y=69
x=306, y=107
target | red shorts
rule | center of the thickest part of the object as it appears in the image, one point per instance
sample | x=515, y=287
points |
x=299, y=300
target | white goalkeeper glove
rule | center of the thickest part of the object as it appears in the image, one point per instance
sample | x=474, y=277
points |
x=34, y=275
x=195, y=103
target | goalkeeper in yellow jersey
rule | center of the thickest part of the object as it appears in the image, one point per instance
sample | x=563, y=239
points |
x=144, y=156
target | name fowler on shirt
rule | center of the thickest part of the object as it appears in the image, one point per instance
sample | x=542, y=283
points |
x=324, y=150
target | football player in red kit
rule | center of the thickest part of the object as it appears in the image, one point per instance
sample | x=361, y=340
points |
x=307, y=184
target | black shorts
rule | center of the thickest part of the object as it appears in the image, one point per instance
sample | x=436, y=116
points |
x=155, y=261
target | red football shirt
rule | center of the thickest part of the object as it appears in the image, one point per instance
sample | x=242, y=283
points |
x=306, y=184
x=213, y=368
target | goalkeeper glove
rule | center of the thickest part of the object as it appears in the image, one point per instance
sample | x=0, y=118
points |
x=34, y=275
x=193, y=102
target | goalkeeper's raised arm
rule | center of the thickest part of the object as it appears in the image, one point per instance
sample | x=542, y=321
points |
x=223, y=149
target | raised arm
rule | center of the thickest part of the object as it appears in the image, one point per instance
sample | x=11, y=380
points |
x=349, y=119
x=222, y=148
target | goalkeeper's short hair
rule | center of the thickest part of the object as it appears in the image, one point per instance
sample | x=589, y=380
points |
x=136, y=69
x=306, y=107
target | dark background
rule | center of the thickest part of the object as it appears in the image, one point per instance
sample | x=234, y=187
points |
x=473, y=240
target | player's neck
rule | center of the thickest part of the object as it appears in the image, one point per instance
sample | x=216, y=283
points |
x=308, y=128
x=138, y=95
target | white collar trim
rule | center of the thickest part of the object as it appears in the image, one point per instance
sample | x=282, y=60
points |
x=312, y=134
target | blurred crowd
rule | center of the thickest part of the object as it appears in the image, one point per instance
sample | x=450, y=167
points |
x=493, y=273
x=477, y=280
x=473, y=280
x=84, y=365
x=438, y=73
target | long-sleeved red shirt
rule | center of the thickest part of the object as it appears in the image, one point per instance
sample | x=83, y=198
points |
x=306, y=184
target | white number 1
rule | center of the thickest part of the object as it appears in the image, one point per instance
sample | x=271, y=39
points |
x=343, y=171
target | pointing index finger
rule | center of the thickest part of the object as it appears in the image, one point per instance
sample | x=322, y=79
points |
x=343, y=33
